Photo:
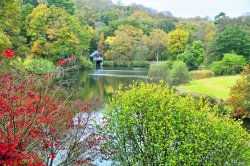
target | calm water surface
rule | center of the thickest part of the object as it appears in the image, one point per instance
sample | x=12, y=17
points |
x=102, y=83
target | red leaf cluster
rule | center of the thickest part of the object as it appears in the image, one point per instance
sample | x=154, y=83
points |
x=33, y=121
x=72, y=58
x=27, y=116
x=61, y=62
x=9, y=53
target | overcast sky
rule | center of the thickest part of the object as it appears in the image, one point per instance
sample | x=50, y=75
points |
x=192, y=8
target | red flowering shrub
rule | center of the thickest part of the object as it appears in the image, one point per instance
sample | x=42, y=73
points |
x=5, y=58
x=61, y=62
x=72, y=58
x=9, y=53
x=34, y=123
x=64, y=61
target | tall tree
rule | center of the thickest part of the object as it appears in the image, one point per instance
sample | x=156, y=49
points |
x=239, y=98
x=157, y=44
x=166, y=24
x=124, y=45
x=54, y=32
x=217, y=18
x=177, y=41
x=191, y=28
x=101, y=44
x=9, y=23
x=232, y=39
x=193, y=55
x=67, y=5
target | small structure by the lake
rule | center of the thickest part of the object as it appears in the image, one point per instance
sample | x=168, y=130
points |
x=96, y=57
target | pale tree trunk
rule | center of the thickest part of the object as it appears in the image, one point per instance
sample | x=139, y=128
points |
x=157, y=55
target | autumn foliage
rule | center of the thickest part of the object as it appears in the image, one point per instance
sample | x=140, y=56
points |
x=35, y=126
x=8, y=53
x=239, y=98
x=24, y=113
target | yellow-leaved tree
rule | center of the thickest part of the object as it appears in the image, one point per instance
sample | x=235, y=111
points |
x=177, y=41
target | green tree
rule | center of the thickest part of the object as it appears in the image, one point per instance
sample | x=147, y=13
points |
x=193, y=55
x=144, y=20
x=166, y=24
x=101, y=44
x=217, y=18
x=188, y=58
x=9, y=24
x=32, y=2
x=232, y=39
x=54, y=32
x=177, y=41
x=67, y=5
x=197, y=48
x=5, y=41
x=126, y=44
x=108, y=17
x=191, y=27
x=26, y=10
x=151, y=125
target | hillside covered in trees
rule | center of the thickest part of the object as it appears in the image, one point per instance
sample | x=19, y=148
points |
x=57, y=29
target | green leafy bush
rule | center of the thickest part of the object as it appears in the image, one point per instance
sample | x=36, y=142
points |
x=121, y=63
x=179, y=74
x=85, y=63
x=126, y=63
x=193, y=55
x=189, y=59
x=140, y=63
x=160, y=71
x=230, y=64
x=149, y=124
x=200, y=74
x=107, y=63
x=218, y=67
x=39, y=66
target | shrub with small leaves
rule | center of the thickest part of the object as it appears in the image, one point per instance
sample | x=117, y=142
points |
x=230, y=64
x=179, y=74
x=160, y=71
x=200, y=74
x=150, y=124
x=40, y=66
x=239, y=98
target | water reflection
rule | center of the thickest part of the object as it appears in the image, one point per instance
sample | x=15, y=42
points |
x=102, y=83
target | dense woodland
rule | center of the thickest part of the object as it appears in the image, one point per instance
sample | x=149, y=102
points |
x=149, y=124
x=57, y=29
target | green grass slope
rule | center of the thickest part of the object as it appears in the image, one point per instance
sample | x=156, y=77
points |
x=218, y=87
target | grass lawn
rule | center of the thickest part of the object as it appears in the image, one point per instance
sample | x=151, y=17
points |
x=218, y=87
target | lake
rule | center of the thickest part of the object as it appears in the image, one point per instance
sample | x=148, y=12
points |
x=92, y=84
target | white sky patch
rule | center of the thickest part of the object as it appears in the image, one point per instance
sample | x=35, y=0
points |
x=192, y=8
